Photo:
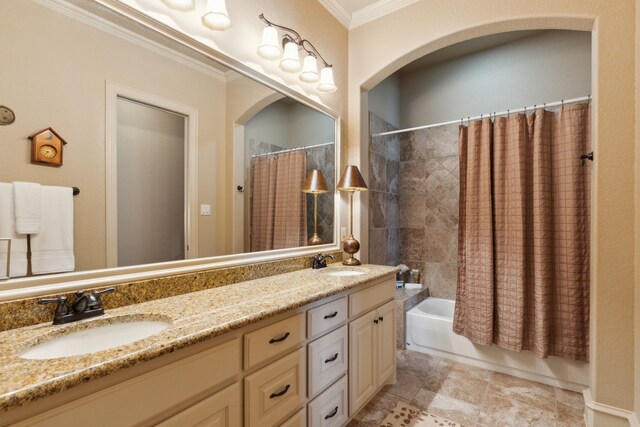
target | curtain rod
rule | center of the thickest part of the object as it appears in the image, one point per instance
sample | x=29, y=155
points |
x=502, y=113
x=292, y=149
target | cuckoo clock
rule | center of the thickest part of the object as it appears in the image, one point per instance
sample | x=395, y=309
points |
x=46, y=147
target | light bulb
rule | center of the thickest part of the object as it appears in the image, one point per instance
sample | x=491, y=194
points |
x=179, y=4
x=291, y=59
x=269, y=49
x=326, y=80
x=310, y=70
x=216, y=16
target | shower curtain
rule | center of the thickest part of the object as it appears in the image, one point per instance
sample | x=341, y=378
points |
x=523, y=239
x=278, y=205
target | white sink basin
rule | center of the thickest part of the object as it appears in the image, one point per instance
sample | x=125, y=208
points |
x=343, y=273
x=94, y=339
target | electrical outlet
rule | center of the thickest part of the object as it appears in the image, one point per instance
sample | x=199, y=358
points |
x=205, y=210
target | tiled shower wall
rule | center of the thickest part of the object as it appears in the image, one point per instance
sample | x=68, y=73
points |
x=322, y=158
x=429, y=191
x=427, y=195
x=384, y=197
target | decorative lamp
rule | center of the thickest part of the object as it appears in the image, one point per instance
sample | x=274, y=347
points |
x=315, y=184
x=326, y=83
x=351, y=181
x=291, y=58
x=270, y=48
x=216, y=16
x=310, y=70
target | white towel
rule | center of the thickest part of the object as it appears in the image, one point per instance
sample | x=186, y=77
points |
x=28, y=207
x=52, y=247
x=18, y=266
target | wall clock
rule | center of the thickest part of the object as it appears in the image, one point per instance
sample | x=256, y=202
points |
x=47, y=147
x=7, y=116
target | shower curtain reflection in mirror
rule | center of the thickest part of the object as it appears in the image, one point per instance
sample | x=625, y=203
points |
x=277, y=203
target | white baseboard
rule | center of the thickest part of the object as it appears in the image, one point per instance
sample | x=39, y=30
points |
x=633, y=420
x=601, y=415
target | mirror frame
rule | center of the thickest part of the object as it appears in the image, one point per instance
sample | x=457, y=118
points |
x=12, y=289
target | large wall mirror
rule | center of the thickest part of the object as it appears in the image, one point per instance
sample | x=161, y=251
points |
x=176, y=156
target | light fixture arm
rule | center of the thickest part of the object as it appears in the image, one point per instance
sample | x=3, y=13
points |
x=295, y=37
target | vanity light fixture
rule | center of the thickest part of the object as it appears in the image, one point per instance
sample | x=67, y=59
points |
x=216, y=16
x=351, y=181
x=315, y=184
x=292, y=43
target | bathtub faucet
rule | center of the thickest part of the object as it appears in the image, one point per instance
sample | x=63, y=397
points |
x=320, y=261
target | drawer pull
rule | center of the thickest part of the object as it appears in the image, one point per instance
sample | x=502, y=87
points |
x=331, y=359
x=331, y=316
x=282, y=338
x=332, y=414
x=281, y=392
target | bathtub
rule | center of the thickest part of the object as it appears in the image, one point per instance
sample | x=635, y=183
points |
x=429, y=329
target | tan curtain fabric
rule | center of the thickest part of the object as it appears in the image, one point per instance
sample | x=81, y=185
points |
x=539, y=194
x=278, y=205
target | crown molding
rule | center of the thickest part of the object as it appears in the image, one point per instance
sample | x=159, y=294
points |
x=340, y=13
x=376, y=10
x=101, y=24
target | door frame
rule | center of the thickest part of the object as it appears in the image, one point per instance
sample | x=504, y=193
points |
x=113, y=92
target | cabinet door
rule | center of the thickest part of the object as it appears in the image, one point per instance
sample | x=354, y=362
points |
x=362, y=364
x=220, y=410
x=385, y=330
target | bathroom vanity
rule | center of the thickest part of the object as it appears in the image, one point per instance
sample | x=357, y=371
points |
x=309, y=347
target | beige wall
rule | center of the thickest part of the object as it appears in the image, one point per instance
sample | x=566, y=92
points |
x=58, y=79
x=637, y=222
x=544, y=67
x=428, y=25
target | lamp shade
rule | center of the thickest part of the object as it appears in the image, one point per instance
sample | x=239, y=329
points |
x=216, y=16
x=291, y=59
x=310, y=70
x=315, y=183
x=351, y=180
x=270, y=48
x=179, y=4
x=326, y=80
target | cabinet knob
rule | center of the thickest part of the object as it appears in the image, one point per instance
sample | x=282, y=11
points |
x=331, y=359
x=381, y=318
x=282, y=338
x=281, y=392
x=375, y=321
x=332, y=413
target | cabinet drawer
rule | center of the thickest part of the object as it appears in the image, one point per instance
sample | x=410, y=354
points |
x=275, y=390
x=328, y=360
x=365, y=300
x=330, y=408
x=298, y=420
x=122, y=404
x=223, y=409
x=272, y=340
x=326, y=317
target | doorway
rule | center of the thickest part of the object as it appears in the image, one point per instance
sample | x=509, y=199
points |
x=150, y=179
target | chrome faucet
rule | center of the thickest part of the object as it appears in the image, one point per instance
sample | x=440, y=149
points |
x=85, y=306
x=320, y=261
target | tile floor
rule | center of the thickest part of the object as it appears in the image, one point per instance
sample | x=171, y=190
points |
x=471, y=396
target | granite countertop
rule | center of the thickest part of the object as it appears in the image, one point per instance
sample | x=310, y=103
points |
x=194, y=317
